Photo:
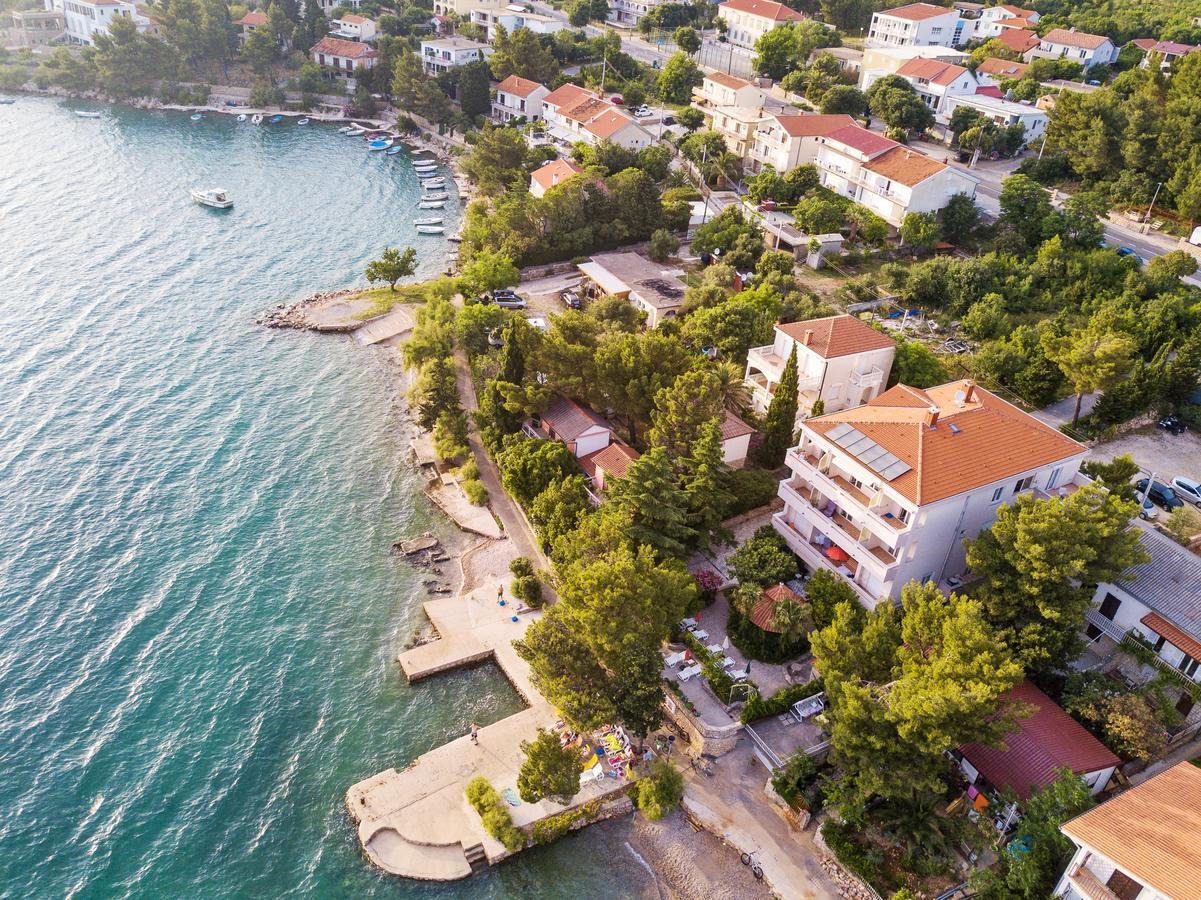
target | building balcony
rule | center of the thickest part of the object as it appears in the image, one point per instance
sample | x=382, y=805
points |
x=766, y=361
x=814, y=558
x=859, y=543
x=871, y=378
x=836, y=485
x=1088, y=885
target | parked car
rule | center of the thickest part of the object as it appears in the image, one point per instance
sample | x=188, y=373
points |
x=511, y=301
x=1148, y=512
x=669, y=120
x=1187, y=489
x=1172, y=425
x=642, y=112
x=570, y=299
x=617, y=99
x=1160, y=493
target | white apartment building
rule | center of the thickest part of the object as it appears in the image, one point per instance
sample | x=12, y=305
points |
x=1003, y=112
x=353, y=27
x=885, y=493
x=518, y=97
x=1087, y=49
x=748, y=20
x=881, y=61
x=513, y=17
x=1139, y=845
x=888, y=178
x=443, y=54
x=463, y=8
x=937, y=82
x=841, y=360
x=573, y=113
x=787, y=141
x=917, y=25
x=720, y=89
x=989, y=24
x=83, y=19
x=628, y=13
x=343, y=57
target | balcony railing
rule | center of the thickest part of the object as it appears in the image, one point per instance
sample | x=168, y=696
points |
x=870, y=378
x=839, y=529
x=839, y=486
x=814, y=558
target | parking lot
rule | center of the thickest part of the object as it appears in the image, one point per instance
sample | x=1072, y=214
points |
x=1166, y=455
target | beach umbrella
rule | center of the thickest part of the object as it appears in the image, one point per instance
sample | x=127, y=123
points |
x=837, y=554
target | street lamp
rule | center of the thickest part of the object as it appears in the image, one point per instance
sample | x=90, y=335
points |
x=1151, y=206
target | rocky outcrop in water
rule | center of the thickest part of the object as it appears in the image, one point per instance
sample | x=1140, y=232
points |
x=296, y=315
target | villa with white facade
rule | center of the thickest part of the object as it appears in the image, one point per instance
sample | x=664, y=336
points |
x=343, y=57
x=918, y=25
x=1002, y=112
x=515, y=16
x=443, y=54
x=937, y=82
x=518, y=97
x=885, y=493
x=841, y=361
x=1087, y=49
x=995, y=18
x=573, y=113
x=748, y=20
x=787, y=141
x=83, y=19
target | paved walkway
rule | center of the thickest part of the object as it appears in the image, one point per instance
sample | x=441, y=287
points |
x=731, y=803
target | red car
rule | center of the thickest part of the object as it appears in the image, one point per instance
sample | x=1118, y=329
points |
x=617, y=99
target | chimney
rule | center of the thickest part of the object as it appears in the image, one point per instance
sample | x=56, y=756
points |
x=807, y=340
x=969, y=391
x=932, y=417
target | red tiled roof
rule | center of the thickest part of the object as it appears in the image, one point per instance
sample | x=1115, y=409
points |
x=555, y=172
x=1175, y=48
x=566, y=95
x=608, y=123
x=916, y=12
x=813, y=126
x=613, y=460
x=1174, y=635
x=976, y=441
x=346, y=49
x=569, y=419
x=859, y=138
x=1002, y=68
x=733, y=427
x=835, y=336
x=1080, y=39
x=932, y=70
x=1048, y=740
x=254, y=17
x=1017, y=10
x=764, y=611
x=518, y=86
x=768, y=9
x=353, y=19
x=905, y=166
x=727, y=80
x=1145, y=44
x=1018, y=40
x=990, y=90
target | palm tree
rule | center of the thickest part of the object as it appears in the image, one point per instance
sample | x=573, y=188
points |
x=735, y=394
x=793, y=620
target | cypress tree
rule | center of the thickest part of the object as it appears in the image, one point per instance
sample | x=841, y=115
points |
x=779, y=423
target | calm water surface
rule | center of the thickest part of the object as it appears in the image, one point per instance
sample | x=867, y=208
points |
x=198, y=615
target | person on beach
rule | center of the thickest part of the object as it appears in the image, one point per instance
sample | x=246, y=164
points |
x=475, y=733
x=500, y=592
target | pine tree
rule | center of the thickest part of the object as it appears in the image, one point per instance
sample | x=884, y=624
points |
x=705, y=485
x=657, y=506
x=682, y=409
x=779, y=424
x=496, y=419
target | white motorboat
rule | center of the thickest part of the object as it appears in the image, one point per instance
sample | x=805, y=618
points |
x=428, y=174
x=431, y=220
x=304, y=121
x=440, y=195
x=242, y=117
x=256, y=119
x=430, y=229
x=87, y=114
x=346, y=129
x=431, y=204
x=217, y=198
x=425, y=163
x=196, y=117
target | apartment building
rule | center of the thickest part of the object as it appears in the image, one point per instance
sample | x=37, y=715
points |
x=352, y=27
x=573, y=113
x=936, y=82
x=1087, y=49
x=885, y=493
x=36, y=27
x=343, y=57
x=787, y=141
x=991, y=18
x=512, y=17
x=440, y=55
x=841, y=361
x=1157, y=607
x=1002, y=112
x=628, y=13
x=881, y=61
x=1018, y=40
x=888, y=178
x=1140, y=845
x=463, y=8
x=917, y=25
x=84, y=19
x=517, y=98
x=748, y=20
x=719, y=89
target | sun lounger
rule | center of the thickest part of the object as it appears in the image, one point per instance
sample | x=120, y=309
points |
x=740, y=674
x=688, y=673
x=728, y=662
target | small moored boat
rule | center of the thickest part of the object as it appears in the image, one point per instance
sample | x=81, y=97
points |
x=392, y=151
x=196, y=117
x=424, y=163
x=380, y=145
x=431, y=204
x=431, y=220
x=256, y=119
x=7, y=101
x=242, y=117
x=440, y=195
x=375, y=135
x=275, y=120
x=303, y=121
x=435, y=182
x=348, y=129
x=217, y=198
x=87, y=114
x=430, y=229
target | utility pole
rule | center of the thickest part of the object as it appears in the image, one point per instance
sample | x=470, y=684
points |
x=604, y=68
x=1150, y=207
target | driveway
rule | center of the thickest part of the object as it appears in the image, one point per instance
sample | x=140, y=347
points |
x=1155, y=450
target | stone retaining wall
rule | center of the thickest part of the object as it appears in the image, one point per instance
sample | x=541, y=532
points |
x=714, y=740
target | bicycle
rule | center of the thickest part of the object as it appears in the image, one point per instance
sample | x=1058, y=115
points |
x=748, y=859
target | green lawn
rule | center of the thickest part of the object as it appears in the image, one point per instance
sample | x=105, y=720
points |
x=383, y=299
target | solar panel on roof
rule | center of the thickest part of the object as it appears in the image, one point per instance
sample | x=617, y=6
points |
x=896, y=470
x=872, y=455
x=838, y=431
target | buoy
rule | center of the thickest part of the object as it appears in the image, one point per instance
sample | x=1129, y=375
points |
x=515, y=618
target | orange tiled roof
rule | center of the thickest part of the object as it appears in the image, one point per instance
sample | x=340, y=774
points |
x=727, y=80
x=916, y=12
x=1017, y=10
x=614, y=460
x=1174, y=635
x=768, y=9
x=1074, y=38
x=555, y=172
x=585, y=109
x=977, y=439
x=1150, y=831
x=1002, y=68
x=904, y=165
x=1019, y=40
x=608, y=123
x=566, y=95
x=932, y=70
x=835, y=336
x=254, y=17
x=518, y=86
x=814, y=125
x=764, y=611
x=345, y=49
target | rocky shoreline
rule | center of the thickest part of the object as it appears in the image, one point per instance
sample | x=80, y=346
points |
x=295, y=314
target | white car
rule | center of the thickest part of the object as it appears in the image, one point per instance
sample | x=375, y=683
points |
x=1187, y=489
x=643, y=112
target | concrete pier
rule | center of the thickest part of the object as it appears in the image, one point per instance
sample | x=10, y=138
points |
x=417, y=822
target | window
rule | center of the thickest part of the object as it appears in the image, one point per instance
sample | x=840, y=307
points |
x=1053, y=481
x=1109, y=606
x=996, y=495
x=1024, y=484
x=1188, y=665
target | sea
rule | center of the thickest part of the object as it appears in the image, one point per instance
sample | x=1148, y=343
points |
x=199, y=615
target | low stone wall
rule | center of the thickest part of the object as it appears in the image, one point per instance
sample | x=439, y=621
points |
x=797, y=819
x=714, y=740
x=848, y=885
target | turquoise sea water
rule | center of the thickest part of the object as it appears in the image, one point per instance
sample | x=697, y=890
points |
x=198, y=615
